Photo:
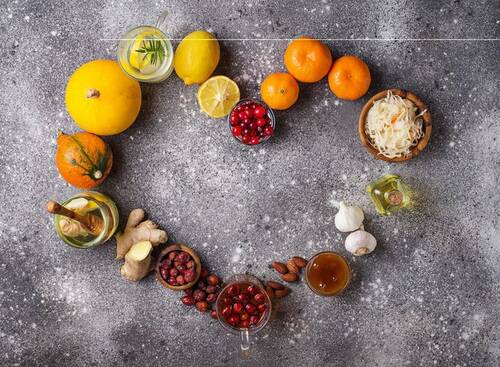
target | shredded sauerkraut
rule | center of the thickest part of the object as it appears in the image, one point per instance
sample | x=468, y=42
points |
x=393, y=126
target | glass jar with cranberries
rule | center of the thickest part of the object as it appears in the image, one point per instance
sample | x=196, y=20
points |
x=251, y=121
x=243, y=307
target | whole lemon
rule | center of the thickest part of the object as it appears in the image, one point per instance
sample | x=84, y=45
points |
x=197, y=57
x=102, y=99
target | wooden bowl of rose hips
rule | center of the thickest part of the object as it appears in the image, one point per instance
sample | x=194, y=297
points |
x=178, y=267
x=251, y=122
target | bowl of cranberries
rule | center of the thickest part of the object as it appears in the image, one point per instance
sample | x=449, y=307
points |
x=251, y=121
x=243, y=305
x=178, y=267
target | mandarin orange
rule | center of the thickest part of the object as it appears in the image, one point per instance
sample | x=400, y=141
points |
x=349, y=78
x=307, y=59
x=279, y=90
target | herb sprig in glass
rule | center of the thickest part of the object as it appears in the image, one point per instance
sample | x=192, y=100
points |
x=154, y=49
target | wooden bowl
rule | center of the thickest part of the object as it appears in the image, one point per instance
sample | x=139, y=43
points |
x=178, y=247
x=426, y=126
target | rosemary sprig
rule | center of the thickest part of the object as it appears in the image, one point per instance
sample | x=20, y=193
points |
x=154, y=49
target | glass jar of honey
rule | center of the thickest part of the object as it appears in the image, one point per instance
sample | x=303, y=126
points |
x=328, y=273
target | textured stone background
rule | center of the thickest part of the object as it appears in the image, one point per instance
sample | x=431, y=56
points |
x=429, y=295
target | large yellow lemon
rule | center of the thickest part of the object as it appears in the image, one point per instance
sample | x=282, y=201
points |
x=102, y=99
x=196, y=57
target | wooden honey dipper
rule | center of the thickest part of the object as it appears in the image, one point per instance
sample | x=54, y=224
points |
x=90, y=223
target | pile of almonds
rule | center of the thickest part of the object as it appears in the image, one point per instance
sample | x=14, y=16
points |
x=291, y=270
x=204, y=293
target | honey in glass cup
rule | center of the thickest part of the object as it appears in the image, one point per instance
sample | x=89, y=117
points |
x=328, y=273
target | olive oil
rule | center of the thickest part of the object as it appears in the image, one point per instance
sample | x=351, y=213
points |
x=389, y=194
x=328, y=273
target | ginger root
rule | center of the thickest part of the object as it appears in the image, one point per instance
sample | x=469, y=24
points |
x=137, y=261
x=137, y=230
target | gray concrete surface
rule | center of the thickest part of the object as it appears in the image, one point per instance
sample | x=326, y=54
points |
x=429, y=295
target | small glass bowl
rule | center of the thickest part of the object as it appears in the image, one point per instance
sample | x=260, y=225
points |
x=270, y=115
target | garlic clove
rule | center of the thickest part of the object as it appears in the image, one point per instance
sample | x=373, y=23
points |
x=360, y=243
x=349, y=218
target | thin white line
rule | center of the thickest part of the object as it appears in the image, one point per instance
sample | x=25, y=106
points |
x=330, y=39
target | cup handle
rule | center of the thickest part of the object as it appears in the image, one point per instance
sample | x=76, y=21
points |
x=160, y=23
x=245, y=343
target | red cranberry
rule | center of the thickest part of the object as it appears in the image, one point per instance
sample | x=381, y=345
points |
x=239, y=108
x=246, y=139
x=259, y=111
x=245, y=131
x=172, y=255
x=261, y=122
x=202, y=306
x=233, y=320
x=254, y=320
x=177, y=263
x=254, y=140
x=226, y=311
x=172, y=281
x=190, y=264
x=245, y=324
x=248, y=113
x=213, y=279
x=233, y=290
x=213, y=314
x=237, y=307
x=236, y=131
x=259, y=298
x=234, y=118
x=243, y=298
x=199, y=295
x=252, y=290
x=244, y=316
x=262, y=307
x=252, y=126
x=268, y=131
x=181, y=268
x=173, y=272
x=242, y=115
x=164, y=273
x=189, y=291
x=180, y=279
x=250, y=308
x=204, y=273
x=211, y=298
x=188, y=300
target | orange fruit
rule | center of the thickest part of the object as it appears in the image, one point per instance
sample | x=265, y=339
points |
x=307, y=59
x=349, y=78
x=279, y=90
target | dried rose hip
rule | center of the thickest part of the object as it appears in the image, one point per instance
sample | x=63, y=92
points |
x=233, y=290
x=259, y=298
x=213, y=314
x=172, y=255
x=180, y=280
x=174, y=272
x=233, y=320
x=251, y=309
x=245, y=324
x=243, y=298
x=189, y=275
x=201, y=306
x=254, y=320
x=188, y=300
x=199, y=295
x=237, y=307
x=213, y=279
x=226, y=311
x=211, y=289
x=189, y=291
x=204, y=273
x=164, y=273
x=211, y=298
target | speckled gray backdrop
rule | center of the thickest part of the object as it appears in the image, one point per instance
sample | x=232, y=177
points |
x=429, y=294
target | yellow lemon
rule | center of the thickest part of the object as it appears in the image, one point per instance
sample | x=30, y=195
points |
x=196, y=57
x=137, y=59
x=218, y=95
x=102, y=99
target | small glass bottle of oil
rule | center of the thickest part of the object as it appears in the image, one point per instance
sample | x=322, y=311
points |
x=389, y=194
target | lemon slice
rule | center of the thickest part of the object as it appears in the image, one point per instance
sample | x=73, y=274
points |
x=218, y=95
x=137, y=59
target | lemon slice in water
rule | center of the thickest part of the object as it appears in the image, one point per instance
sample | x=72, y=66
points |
x=218, y=95
x=140, y=60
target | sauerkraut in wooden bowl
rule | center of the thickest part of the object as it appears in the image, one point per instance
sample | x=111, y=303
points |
x=395, y=125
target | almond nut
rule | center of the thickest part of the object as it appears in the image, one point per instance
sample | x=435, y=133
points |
x=290, y=277
x=280, y=293
x=280, y=267
x=299, y=261
x=274, y=285
x=292, y=267
x=270, y=292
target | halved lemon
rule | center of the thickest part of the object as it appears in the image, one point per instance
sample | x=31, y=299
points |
x=218, y=95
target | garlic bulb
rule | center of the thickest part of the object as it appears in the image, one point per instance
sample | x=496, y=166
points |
x=360, y=243
x=349, y=218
